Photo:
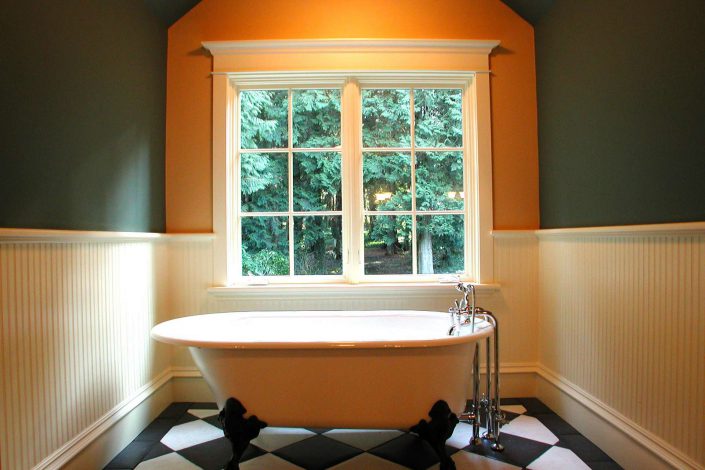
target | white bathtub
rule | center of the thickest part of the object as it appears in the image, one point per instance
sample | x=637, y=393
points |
x=381, y=369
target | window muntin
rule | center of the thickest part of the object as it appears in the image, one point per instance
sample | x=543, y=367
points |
x=432, y=206
x=290, y=214
x=413, y=185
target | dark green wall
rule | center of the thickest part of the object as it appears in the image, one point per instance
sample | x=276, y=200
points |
x=83, y=106
x=621, y=92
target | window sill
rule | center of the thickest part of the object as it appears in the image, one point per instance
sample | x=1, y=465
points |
x=339, y=290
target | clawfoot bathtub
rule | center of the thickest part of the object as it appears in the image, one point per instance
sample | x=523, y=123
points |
x=354, y=369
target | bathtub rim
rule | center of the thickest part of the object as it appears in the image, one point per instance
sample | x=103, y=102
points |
x=485, y=330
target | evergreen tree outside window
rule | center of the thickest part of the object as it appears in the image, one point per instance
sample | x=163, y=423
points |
x=410, y=197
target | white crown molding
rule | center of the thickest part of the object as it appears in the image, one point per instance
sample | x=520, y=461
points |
x=25, y=235
x=216, y=48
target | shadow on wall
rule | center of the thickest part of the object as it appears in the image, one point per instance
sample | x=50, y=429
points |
x=85, y=146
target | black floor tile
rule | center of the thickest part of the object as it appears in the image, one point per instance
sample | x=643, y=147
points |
x=156, y=429
x=157, y=450
x=214, y=421
x=583, y=448
x=203, y=406
x=317, y=453
x=517, y=450
x=175, y=410
x=555, y=424
x=320, y=452
x=131, y=455
x=510, y=401
x=215, y=454
x=186, y=418
x=611, y=465
x=319, y=430
x=408, y=450
x=534, y=406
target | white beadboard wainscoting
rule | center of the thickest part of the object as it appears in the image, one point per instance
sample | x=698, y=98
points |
x=75, y=315
x=514, y=300
x=622, y=333
x=588, y=323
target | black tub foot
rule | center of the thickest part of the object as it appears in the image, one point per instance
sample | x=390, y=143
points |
x=437, y=431
x=238, y=430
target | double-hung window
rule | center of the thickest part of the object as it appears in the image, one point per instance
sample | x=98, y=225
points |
x=351, y=176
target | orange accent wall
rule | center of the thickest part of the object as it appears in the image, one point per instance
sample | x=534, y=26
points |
x=513, y=85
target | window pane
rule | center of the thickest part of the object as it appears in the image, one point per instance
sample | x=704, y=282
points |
x=263, y=119
x=317, y=182
x=318, y=245
x=438, y=118
x=386, y=181
x=388, y=244
x=440, y=242
x=264, y=182
x=386, y=118
x=265, y=246
x=439, y=181
x=316, y=118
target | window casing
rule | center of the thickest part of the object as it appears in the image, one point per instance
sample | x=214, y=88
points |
x=474, y=149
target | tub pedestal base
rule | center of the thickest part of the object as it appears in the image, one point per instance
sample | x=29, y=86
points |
x=238, y=429
x=437, y=431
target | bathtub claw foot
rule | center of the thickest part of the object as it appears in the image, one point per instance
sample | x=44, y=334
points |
x=238, y=429
x=437, y=431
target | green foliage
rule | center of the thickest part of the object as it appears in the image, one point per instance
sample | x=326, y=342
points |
x=386, y=117
x=265, y=263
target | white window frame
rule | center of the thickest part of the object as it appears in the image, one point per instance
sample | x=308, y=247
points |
x=396, y=63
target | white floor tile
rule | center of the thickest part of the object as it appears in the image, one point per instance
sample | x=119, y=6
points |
x=271, y=439
x=167, y=462
x=269, y=462
x=367, y=462
x=189, y=434
x=558, y=458
x=518, y=409
x=461, y=435
x=468, y=461
x=530, y=428
x=364, y=439
x=203, y=413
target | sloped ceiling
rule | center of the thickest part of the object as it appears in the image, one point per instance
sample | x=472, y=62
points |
x=171, y=10
x=531, y=10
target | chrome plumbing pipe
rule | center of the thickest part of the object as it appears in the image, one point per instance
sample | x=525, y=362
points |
x=489, y=434
x=495, y=413
x=495, y=417
x=476, y=397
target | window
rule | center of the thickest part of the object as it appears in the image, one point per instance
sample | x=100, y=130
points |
x=290, y=215
x=357, y=177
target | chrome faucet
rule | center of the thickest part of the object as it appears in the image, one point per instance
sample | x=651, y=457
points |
x=463, y=312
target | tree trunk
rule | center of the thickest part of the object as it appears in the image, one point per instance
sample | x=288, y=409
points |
x=425, y=253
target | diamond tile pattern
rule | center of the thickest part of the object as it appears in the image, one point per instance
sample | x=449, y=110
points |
x=188, y=436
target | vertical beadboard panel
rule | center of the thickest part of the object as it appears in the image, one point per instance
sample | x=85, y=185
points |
x=516, y=304
x=623, y=318
x=74, y=334
x=190, y=264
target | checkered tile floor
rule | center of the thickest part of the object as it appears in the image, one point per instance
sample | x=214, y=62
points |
x=187, y=436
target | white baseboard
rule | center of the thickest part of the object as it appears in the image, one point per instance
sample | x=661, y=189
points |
x=96, y=445
x=629, y=444
x=626, y=442
x=61, y=457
